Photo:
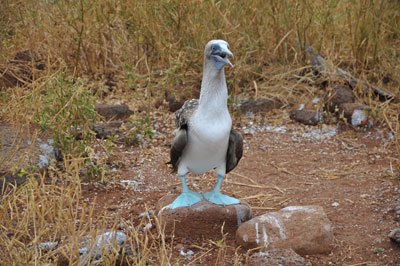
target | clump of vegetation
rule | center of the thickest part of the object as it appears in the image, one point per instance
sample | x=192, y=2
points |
x=66, y=109
x=140, y=130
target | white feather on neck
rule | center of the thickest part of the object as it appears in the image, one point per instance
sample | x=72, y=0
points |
x=214, y=92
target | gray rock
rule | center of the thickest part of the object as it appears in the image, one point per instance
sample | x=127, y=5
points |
x=305, y=229
x=22, y=148
x=114, y=112
x=277, y=257
x=204, y=219
x=104, y=243
x=394, y=235
x=93, y=251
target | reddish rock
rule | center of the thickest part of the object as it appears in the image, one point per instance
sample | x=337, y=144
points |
x=356, y=114
x=307, y=116
x=204, y=219
x=305, y=229
x=277, y=257
x=339, y=95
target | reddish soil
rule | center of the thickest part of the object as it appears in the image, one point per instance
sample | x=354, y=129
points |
x=347, y=173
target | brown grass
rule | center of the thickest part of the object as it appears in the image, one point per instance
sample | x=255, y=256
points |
x=146, y=47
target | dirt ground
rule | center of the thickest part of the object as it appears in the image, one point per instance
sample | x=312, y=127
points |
x=347, y=172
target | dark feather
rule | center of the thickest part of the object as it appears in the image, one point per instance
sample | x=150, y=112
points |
x=177, y=147
x=235, y=150
x=181, y=122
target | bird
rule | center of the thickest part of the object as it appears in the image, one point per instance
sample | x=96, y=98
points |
x=204, y=138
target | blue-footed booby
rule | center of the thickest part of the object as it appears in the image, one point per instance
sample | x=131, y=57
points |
x=204, y=139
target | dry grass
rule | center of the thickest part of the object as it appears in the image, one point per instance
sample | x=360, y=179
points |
x=146, y=47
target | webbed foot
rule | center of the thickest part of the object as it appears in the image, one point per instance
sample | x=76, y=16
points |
x=220, y=199
x=186, y=199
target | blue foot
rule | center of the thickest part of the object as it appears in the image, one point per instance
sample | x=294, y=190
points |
x=220, y=199
x=186, y=199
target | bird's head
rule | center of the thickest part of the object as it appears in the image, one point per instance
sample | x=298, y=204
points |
x=218, y=51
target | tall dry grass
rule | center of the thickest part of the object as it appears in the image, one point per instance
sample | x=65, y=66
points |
x=96, y=38
x=146, y=47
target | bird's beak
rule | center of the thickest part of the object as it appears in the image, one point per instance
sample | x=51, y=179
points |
x=220, y=57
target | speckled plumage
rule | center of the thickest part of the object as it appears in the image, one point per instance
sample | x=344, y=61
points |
x=183, y=115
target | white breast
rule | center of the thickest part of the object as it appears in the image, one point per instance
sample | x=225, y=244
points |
x=208, y=137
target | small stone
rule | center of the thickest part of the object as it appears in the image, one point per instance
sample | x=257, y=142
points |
x=305, y=229
x=394, y=235
x=307, y=116
x=204, y=219
x=188, y=253
x=277, y=257
x=335, y=204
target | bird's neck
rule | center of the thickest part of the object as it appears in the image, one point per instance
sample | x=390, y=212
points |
x=214, y=93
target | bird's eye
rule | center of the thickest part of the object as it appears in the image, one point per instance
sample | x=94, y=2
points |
x=228, y=47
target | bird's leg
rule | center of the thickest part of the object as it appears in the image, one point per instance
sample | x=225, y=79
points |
x=217, y=197
x=187, y=198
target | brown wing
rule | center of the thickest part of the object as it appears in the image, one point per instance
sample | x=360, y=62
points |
x=181, y=122
x=177, y=147
x=235, y=150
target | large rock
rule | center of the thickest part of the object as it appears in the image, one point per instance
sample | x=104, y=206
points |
x=204, y=219
x=305, y=229
x=277, y=257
